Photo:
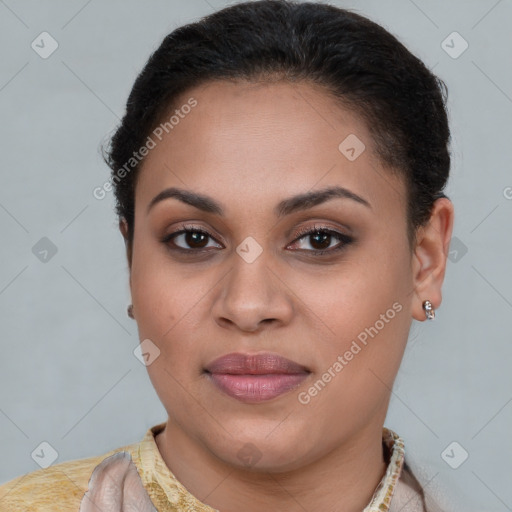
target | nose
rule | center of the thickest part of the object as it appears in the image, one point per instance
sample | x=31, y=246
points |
x=252, y=296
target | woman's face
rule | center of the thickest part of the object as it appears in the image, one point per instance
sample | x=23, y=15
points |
x=255, y=285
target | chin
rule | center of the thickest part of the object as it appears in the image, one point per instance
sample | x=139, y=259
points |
x=258, y=452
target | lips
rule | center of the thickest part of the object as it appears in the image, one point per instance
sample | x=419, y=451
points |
x=255, y=378
x=254, y=364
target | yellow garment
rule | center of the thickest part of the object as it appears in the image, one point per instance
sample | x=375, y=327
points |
x=62, y=486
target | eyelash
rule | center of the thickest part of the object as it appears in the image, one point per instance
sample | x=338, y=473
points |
x=301, y=233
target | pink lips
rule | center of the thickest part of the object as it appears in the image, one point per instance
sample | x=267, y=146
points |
x=255, y=378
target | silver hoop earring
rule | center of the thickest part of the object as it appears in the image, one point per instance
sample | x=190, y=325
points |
x=129, y=310
x=429, y=310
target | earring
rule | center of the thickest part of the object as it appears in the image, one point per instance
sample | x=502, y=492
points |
x=130, y=311
x=429, y=310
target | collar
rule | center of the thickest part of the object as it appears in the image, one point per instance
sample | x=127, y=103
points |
x=395, y=452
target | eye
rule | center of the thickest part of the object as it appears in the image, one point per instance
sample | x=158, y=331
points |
x=195, y=238
x=321, y=237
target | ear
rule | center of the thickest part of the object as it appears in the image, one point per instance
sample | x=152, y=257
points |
x=430, y=255
x=123, y=227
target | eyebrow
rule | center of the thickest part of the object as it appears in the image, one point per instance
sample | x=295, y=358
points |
x=287, y=206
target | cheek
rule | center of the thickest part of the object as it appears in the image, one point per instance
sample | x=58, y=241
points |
x=368, y=332
x=169, y=306
x=367, y=313
x=357, y=367
x=158, y=300
x=164, y=310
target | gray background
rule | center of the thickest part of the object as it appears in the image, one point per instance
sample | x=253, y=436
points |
x=68, y=373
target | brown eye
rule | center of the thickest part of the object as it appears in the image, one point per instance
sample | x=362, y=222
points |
x=188, y=239
x=320, y=239
x=195, y=239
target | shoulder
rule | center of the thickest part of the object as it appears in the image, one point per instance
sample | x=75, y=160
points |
x=63, y=484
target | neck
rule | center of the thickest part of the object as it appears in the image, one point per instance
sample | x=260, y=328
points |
x=343, y=479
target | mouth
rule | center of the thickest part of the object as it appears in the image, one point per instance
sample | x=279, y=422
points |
x=254, y=378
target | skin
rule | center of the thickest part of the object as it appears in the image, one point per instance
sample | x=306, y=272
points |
x=249, y=146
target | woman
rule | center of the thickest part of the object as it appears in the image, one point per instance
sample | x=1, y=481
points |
x=279, y=177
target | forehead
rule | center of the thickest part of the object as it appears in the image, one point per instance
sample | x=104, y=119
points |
x=248, y=143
